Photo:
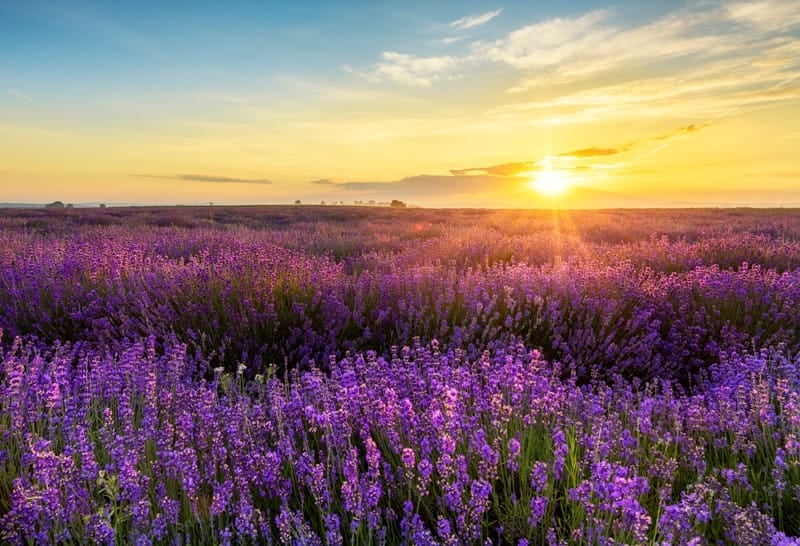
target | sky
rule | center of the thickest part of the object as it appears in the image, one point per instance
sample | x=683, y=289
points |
x=443, y=104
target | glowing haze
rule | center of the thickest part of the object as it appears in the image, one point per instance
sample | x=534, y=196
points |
x=491, y=104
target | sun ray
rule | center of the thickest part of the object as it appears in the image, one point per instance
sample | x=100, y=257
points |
x=549, y=181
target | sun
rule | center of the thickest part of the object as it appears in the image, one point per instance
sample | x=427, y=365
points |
x=549, y=182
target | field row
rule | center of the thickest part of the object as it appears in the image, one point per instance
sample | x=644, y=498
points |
x=424, y=448
x=237, y=297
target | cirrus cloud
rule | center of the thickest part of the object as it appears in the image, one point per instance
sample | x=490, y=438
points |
x=472, y=21
x=20, y=95
x=593, y=151
x=207, y=178
x=505, y=169
x=408, y=69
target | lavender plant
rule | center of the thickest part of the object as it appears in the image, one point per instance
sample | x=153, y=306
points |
x=367, y=380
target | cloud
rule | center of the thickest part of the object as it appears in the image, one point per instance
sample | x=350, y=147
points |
x=323, y=182
x=502, y=179
x=526, y=167
x=744, y=36
x=20, y=95
x=208, y=178
x=413, y=70
x=773, y=63
x=594, y=151
x=566, y=49
x=767, y=14
x=545, y=43
x=703, y=91
x=426, y=185
x=452, y=39
x=480, y=190
x=408, y=69
x=692, y=128
x=685, y=130
x=472, y=21
x=505, y=169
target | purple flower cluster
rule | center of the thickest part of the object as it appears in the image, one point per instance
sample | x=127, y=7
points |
x=415, y=449
x=497, y=379
x=235, y=297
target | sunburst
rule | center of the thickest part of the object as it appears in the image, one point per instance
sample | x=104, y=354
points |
x=550, y=182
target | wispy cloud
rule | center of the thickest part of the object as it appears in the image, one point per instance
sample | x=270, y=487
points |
x=703, y=91
x=546, y=43
x=567, y=163
x=685, y=130
x=767, y=14
x=452, y=39
x=472, y=21
x=733, y=55
x=208, y=178
x=323, y=182
x=20, y=95
x=408, y=69
x=425, y=185
x=505, y=169
x=564, y=50
x=594, y=151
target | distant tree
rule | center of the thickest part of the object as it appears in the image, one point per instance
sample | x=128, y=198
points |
x=102, y=205
x=371, y=202
x=298, y=202
x=69, y=205
x=55, y=205
x=396, y=203
x=322, y=202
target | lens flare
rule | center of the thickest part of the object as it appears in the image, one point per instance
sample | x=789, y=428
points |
x=549, y=182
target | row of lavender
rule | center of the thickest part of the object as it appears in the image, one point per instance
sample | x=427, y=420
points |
x=423, y=448
x=595, y=385
x=658, y=308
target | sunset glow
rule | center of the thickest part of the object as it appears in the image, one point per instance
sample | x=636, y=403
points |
x=550, y=182
x=447, y=104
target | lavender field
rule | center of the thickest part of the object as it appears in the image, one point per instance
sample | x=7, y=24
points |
x=364, y=375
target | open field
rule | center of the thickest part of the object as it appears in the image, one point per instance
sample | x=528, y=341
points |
x=359, y=375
